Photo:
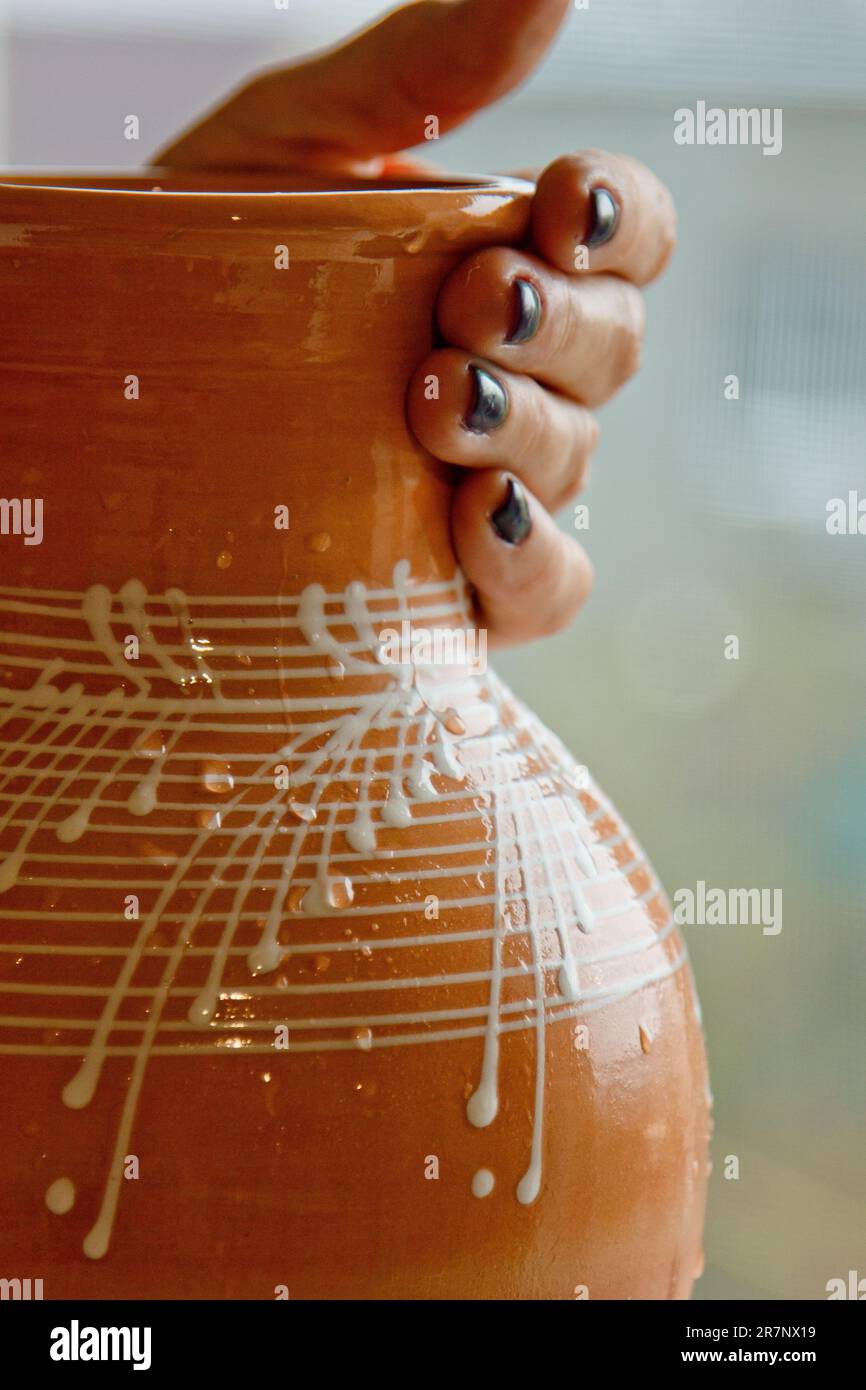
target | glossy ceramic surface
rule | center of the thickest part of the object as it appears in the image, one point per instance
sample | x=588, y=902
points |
x=325, y=969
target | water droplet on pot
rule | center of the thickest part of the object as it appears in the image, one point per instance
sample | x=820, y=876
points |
x=295, y=897
x=150, y=745
x=216, y=777
x=340, y=892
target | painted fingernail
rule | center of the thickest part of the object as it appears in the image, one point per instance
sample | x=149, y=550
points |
x=512, y=520
x=490, y=406
x=527, y=312
x=604, y=216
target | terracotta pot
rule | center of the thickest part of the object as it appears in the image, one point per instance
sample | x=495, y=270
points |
x=326, y=971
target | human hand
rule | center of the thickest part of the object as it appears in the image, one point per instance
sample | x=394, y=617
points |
x=538, y=338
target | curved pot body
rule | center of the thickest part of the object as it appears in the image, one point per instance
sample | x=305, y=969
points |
x=326, y=971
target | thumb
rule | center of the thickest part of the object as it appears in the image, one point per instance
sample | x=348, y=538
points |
x=372, y=95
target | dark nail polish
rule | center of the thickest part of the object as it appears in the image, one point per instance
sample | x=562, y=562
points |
x=512, y=521
x=604, y=216
x=527, y=312
x=490, y=406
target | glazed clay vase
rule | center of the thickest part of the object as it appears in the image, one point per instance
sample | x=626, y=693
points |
x=326, y=972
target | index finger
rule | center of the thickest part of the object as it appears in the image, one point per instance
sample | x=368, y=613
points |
x=604, y=212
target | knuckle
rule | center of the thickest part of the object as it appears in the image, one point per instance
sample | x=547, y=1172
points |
x=576, y=473
x=591, y=432
x=570, y=598
x=539, y=432
x=571, y=488
x=667, y=233
x=630, y=334
x=553, y=621
x=557, y=608
x=584, y=445
x=667, y=247
x=566, y=326
x=575, y=600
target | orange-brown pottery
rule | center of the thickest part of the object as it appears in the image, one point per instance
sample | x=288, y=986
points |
x=326, y=972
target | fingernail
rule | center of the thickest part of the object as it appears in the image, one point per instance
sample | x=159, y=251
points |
x=604, y=216
x=512, y=521
x=527, y=312
x=490, y=406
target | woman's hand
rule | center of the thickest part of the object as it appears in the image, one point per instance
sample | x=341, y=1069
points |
x=538, y=338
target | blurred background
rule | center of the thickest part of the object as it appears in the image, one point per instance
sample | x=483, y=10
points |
x=707, y=516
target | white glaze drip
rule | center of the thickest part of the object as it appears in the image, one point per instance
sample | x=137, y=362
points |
x=60, y=1196
x=483, y=1183
x=442, y=750
x=96, y=609
x=530, y=1184
x=483, y=1105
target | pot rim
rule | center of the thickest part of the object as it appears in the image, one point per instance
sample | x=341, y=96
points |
x=110, y=184
x=149, y=204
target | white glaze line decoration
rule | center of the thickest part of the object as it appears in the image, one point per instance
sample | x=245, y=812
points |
x=259, y=785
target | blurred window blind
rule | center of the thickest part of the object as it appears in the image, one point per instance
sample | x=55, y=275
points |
x=767, y=51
